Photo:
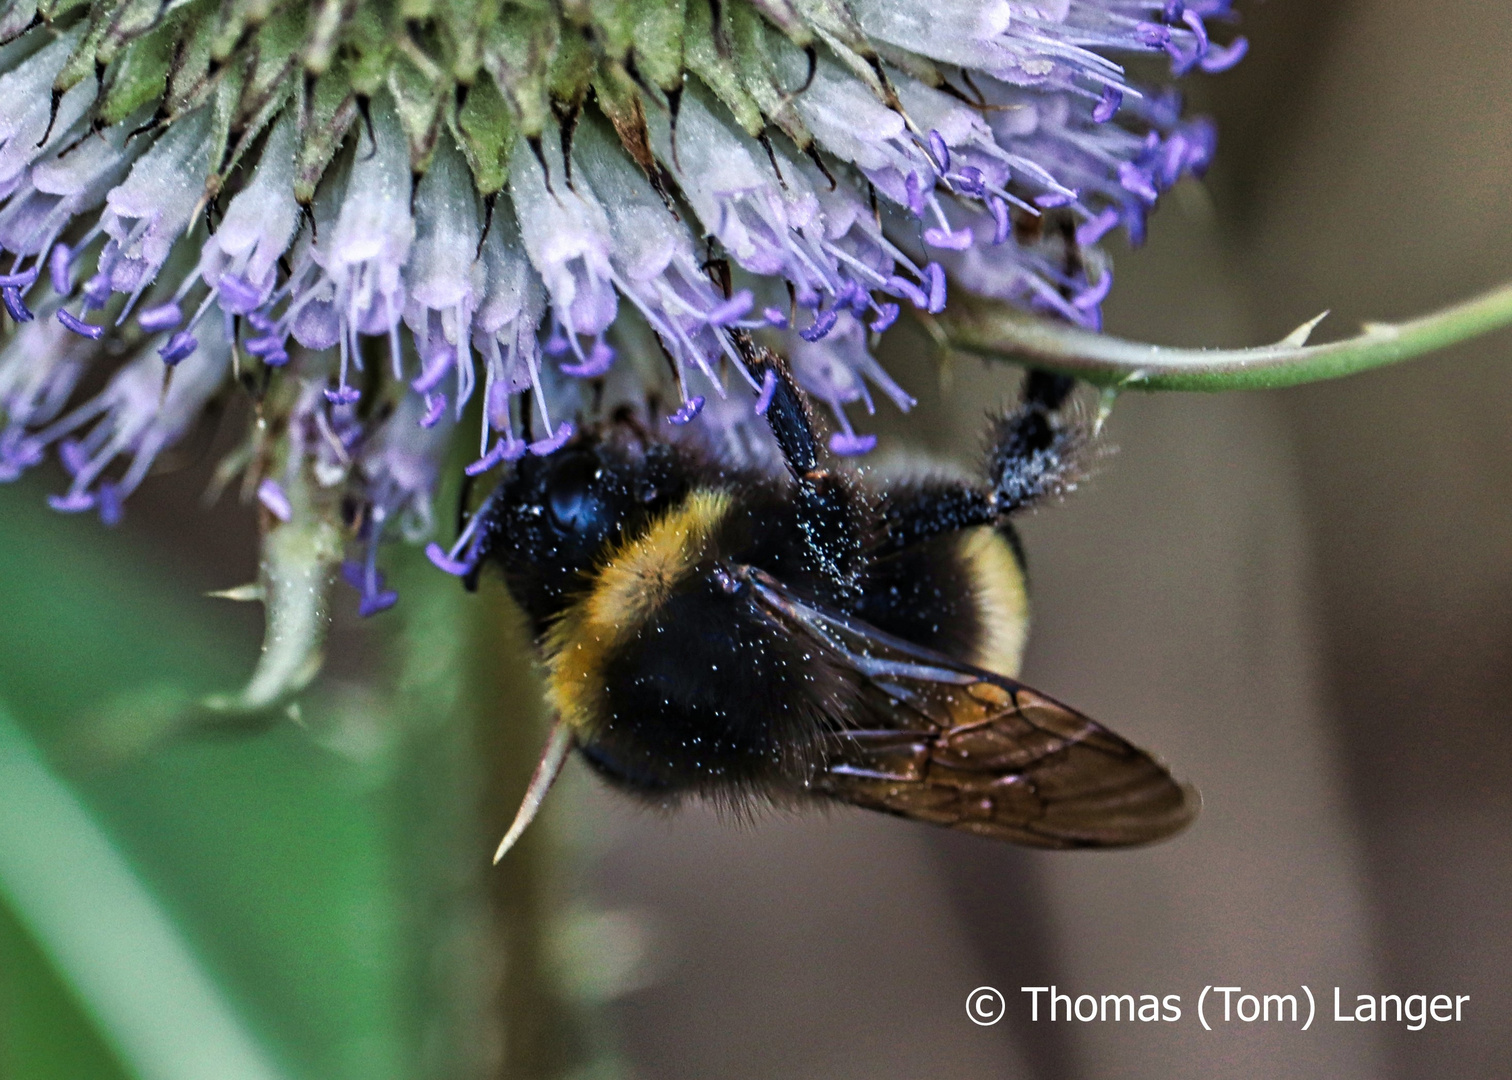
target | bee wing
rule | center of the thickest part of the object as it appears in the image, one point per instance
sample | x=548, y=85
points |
x=936, y=740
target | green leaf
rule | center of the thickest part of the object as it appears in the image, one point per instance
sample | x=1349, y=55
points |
x=321, y=890
x=280, y=857
x=44, y=1032
x=104, y=932
x=657, y=38
x=486, y=134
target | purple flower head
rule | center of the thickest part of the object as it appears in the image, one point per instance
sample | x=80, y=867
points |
x=136, y=416
x=146, y=214
x=39, y=369
x=369, y=265
x=396, y=467
x=566, y=233
x=839, y=370
x=347, y=271
x=444, y=290
x=240, y=259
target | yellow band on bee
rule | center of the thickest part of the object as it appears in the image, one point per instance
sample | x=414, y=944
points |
x=998, y=583
x=631, y=584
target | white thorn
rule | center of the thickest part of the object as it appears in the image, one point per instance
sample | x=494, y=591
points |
x=1298, y=337
x=252, y=591
x=1105, y=399
x=558, y=745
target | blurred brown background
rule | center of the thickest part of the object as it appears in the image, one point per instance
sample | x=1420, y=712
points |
x=1302, y=600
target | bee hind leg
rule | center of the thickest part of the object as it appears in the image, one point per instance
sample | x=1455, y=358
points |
x=1034, y=452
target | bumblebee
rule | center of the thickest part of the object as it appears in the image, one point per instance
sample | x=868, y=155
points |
x=713, y=632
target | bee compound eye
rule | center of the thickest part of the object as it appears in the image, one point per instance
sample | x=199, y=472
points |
x=568, y=495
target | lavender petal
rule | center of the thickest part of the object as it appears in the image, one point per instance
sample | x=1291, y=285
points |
x=272, y=496
x=79, y=326
x=691, y=408
x=847, y=444
x=542, y=447
x=445, y=563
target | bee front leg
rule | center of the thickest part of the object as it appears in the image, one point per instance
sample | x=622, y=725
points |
x=832, y=515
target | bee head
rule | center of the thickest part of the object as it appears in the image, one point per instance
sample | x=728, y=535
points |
x=558, y=516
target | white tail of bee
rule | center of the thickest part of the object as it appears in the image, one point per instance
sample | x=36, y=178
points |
x=558, y=745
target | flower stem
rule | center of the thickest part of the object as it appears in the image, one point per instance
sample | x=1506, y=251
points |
x=995, y=331
x=538, y=1028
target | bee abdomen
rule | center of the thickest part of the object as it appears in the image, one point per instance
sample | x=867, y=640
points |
x=708, y=694
x=668, y=677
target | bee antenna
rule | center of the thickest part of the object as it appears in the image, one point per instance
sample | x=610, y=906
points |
x=558, y=745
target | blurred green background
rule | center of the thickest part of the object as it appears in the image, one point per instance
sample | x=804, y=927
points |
x=187, y=895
